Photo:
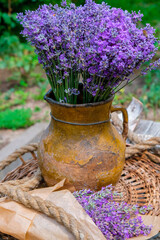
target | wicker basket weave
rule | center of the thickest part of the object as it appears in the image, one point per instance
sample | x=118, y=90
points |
x=139, y=183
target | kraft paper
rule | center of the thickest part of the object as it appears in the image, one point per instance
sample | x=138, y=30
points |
x=26, y=224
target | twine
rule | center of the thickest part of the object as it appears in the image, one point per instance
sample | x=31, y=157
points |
x=48, y=208
x=26, y=184
x=139, y=148
x=20, y=195
x=13, y=157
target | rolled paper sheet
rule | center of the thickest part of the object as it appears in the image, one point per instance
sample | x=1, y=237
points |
x=27, y=224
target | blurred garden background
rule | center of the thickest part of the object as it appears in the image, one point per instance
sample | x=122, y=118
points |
x=23, y=82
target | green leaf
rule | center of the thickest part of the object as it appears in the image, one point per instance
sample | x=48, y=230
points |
x=6, y=18
x=27, y=68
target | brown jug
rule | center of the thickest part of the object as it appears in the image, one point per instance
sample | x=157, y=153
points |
x=81, y=145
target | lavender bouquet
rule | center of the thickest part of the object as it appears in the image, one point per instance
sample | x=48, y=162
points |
x=93, y=46
x=115, y=220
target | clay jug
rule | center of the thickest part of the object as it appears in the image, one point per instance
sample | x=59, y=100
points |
x=81, y=144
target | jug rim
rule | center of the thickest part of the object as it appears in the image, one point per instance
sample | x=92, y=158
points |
x=52, y=101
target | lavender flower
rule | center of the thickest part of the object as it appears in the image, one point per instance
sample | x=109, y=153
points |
x=115, y=220
x=93, y=41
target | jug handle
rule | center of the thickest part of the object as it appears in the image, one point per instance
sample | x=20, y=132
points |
x=125, y=119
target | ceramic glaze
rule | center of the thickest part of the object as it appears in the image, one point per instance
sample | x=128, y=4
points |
x=81, y=145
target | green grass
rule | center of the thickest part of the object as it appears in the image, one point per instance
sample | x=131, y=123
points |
x=14, y=119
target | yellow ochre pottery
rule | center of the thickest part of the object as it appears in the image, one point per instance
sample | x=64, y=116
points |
x=81, y=144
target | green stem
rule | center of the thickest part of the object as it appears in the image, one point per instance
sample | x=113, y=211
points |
x=84, y=90
x=105, y=94
x=76, y=84
x=99, y=83
x=66, y=87
x=127, y=84
x=71, y=84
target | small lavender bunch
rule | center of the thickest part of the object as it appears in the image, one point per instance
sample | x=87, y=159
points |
x=94, y=44
x=115, y=220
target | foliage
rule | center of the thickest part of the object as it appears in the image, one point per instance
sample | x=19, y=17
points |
x=37, y=109
x=14, y=119
x=122, y=98
x=115, y=220
x=151, y=90
x=150, y=8
x=38, y=78
x=12, y=98
x=8, y=94
x=40, y=92
x=20, y=96
x=10, y=41
x=12, y=44
x=22, y=64
x=103, y=45
x=15, y=97
x=15, y=54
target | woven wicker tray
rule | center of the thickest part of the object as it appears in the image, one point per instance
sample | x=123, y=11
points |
x=139, y=182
